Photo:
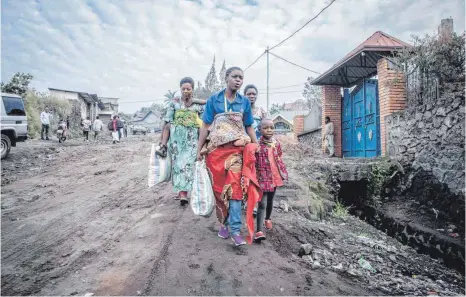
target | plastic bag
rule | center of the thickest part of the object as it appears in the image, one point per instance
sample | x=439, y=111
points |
x=202, y=195
x=115, y=136
x=159, y=168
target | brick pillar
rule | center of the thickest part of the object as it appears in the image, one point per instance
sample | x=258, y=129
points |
x=392, y=95
x=298, y=125
x=331, y=106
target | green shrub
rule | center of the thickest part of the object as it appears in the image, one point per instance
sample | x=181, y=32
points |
x=340, y=211
x=36, y=102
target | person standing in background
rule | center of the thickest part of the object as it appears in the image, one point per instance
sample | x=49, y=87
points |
x=45, y=117
x=328, y=137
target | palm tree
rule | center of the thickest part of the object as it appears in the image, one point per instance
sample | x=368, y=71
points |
x=170, y=95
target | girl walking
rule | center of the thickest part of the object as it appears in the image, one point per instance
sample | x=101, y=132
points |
x=230, y=155
x=271, y=172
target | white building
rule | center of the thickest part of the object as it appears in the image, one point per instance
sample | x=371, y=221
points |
x=109, y=108
x=150, y=120
x=88, y=104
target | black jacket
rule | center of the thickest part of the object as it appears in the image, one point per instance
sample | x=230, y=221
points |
x=120, y=124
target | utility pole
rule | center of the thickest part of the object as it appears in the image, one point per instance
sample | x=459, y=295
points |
x=267, y=80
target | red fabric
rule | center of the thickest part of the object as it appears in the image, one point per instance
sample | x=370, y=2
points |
x=264, y=171
x=114, y=125
x=251, y=186
x=276, y=176
x=224, y=164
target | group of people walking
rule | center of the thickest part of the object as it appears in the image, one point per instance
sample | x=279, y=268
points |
x=237, y=142
x=116, y=126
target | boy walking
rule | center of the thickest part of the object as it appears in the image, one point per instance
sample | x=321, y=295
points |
x=86, y=128
x=97, y=127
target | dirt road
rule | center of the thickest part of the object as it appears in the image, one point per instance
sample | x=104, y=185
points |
x=86, y=222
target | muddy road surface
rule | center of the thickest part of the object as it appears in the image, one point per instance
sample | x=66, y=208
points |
x=80, y=219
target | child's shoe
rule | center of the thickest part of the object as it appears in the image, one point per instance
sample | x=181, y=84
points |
x=268, y=224
x=259, y=236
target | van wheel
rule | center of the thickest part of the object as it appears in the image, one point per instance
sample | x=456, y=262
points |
x=6, y=146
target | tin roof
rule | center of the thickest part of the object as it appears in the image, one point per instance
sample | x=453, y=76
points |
x=361, y=62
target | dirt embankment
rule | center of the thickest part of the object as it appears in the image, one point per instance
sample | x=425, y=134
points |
x=85, y=222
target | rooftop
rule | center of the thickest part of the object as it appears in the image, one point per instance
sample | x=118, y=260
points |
x=361, y=62
x=289, y=114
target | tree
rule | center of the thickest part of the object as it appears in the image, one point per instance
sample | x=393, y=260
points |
x=275, y=108
x=170, y=95
x=223, y=83
x=36, y=102
x=124, y=116
x=432, y=62
x=200, y=92
x=18, y=84
x=211, y=81
x=312, y=94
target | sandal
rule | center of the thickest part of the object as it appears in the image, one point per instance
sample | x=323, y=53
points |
x=184, y=200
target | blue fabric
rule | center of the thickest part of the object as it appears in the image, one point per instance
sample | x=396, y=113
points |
x=257, y=121
x=216, y=105
x=234, y=216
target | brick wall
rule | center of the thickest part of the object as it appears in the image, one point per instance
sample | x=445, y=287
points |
x=298, y=125
x=331, y=106
x=392, y=95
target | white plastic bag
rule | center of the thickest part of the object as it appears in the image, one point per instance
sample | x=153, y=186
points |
x=159, y=168
x=202, y=195
x=115, y=136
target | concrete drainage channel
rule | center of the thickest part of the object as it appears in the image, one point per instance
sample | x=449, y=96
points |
x=402, y=226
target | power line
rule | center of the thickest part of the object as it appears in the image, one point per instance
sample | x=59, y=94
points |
x=255, y=61
x=294, y=63
x=280, y=43
x=286, y=92
x=158, y=100
x=153, y=100
x=283, y=87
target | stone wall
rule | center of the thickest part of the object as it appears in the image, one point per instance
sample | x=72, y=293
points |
x=431, y=137
x=312, y=139
x=429, y=142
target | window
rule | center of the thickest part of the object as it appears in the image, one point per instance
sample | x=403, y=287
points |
x=13, y=106
x=282, y=126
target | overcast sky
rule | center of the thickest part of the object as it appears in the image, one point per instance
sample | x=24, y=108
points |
x=138, y=49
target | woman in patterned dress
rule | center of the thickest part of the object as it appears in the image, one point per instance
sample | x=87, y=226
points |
x=184, y=133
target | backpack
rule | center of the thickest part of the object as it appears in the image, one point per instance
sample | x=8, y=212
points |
x=110, y=126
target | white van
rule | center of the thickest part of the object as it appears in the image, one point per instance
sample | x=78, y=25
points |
x=14, y=123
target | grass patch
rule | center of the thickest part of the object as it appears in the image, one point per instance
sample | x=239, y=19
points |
x=340, y=211
x=35, y=103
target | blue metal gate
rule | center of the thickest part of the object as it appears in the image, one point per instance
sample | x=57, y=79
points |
x=360, y=121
